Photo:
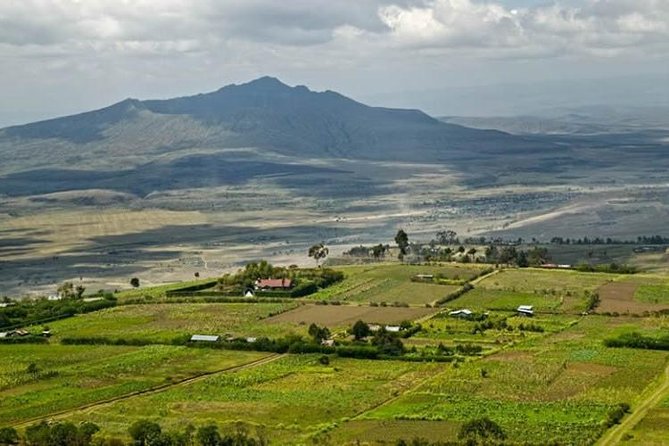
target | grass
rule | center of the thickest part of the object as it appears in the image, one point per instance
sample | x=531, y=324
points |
x=292, y=398
x=392, y=283
x=71, y=376
x=538, y=281
x=656, y=294
x=164, y=322
x=556, y=387
x=485, y=299
x=346, y=315
x=559, y=384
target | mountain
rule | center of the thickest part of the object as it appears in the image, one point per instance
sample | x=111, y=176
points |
x=264, y=113
x=592, y=120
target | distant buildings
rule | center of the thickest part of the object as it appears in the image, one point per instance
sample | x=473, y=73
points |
x=204, y=338
x=273, y=284
x=525, y=310
x=464, y=313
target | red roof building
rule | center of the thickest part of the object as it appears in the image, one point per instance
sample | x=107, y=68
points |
x=273, y=284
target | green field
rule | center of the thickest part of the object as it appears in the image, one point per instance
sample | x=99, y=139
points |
x=392, y=283
x=655, y=294
x=165, y=322
x=549, y=378
x=68, y=376
x=292, y=397
x=557, y=388
x=538, y=281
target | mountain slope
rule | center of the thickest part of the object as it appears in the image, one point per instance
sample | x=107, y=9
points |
x=266, y=113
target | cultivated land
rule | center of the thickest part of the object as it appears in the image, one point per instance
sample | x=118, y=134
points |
x=549, y=378
x=165, y=322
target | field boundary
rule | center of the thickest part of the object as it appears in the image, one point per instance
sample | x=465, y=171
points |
x=149, y=391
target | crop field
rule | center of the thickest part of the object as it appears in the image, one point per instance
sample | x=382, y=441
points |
x=292, y=398
x=392, y=283
x=541, y=379
x=634, y=295
x=164, y=322
x=653, y=429
x=559, y=387
x=450, y=330
x=485, y=299
x=65, y=377
x=347, y=315
x=546, y=281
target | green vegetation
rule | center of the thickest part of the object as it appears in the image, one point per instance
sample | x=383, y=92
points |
x=162, y=323
x=27, y=312
x=331, y=370
x=656, y=294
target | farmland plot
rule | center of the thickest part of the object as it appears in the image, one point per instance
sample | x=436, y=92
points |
x=347, y=315
x=392, y=283
x=165, y=322
x=292, y=398
x=550, y=388
x=64, y=377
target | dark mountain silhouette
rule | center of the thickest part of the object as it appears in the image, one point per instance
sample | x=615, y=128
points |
x=269, y=114
x=139, y=142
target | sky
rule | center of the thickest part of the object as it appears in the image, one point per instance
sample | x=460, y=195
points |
x=66, y=56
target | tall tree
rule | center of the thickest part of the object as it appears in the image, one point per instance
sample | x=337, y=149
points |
x=319, y=252
x=402, y=240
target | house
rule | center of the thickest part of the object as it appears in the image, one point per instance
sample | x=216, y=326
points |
x=93, y=299
x=374, y=327
x=7, y=304
x=393, y=328
x=54, y=297
x=251, y=340
x=4, y=334
x=204, y=338
x=46, y=333
x=328, y=342
x=464, y=313
x=274, y=284
x=525, y=310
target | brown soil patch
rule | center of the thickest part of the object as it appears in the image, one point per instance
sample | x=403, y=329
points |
x=344, y=315
x=618, y=297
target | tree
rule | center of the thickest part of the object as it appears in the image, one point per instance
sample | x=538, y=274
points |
x=387, y=343
x=38, y=434
x=66, y=290
x=537, y=256
x=319, y=252
x=208, y=435
x=402, y=240
x=360, y=330
x=481, y=430
x=378, y=251
x=134, y=282
x=446, y=237
x=143, y=432
x=8, y=436
x=63, y=434
x=319, y=333
x=79, y=291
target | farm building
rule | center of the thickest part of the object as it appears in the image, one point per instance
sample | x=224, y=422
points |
x=393, y=328
x=204, y=338
x=273, y=284
x=464, y=313
x=525, y=310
